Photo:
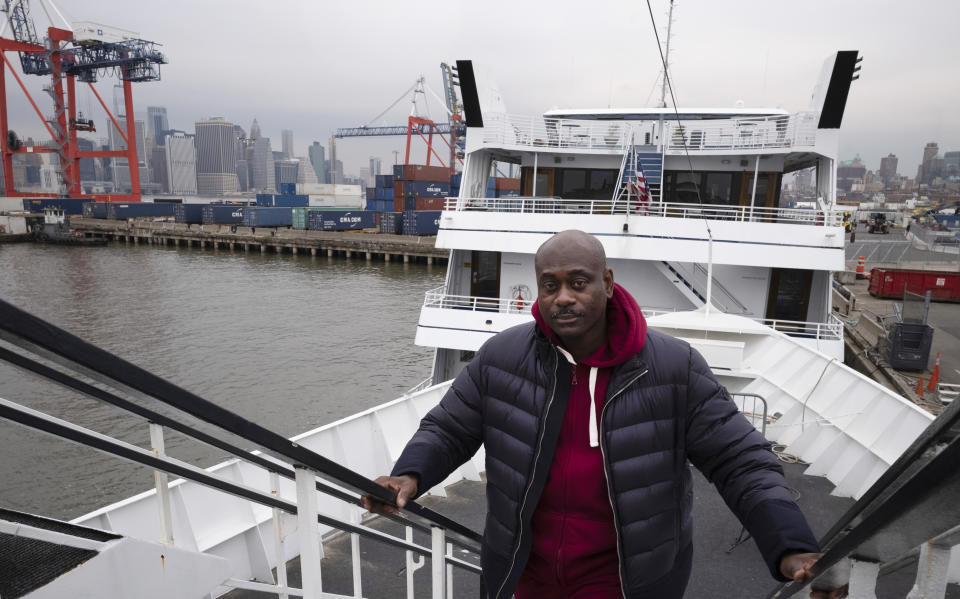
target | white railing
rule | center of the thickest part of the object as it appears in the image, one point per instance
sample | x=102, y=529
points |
x=755, y=133
x=549, y=205
x=540, y=132
x=773, y=132
x=438, y=298
x=948, y=392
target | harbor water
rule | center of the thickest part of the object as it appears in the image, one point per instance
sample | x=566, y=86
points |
x=289, y=342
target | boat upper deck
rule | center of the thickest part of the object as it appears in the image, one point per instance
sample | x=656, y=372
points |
x=778, y=133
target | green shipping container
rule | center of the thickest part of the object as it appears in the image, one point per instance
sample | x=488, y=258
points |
x=300, y=217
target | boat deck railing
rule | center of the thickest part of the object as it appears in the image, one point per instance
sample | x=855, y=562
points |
x=908, y=519
x=41, y=349
x=832, y=330
x=707, y=136
x=722, y=212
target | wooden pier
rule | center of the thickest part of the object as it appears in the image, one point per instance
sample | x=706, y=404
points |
x=348, y=244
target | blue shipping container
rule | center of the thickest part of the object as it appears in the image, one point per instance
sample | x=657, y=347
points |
x=383, y=193
x=384, y=181
x=70, y=206
x=397, y=172
x=391, y=222
x=120, y=211
x=455, y=180
x=95, y=210
x=188, y=213
x=223, y=215
x=264, y=199
x=371, y=193
x=330, y=220
x=421, y=222
x=288, y=188
x=291, y=201
x=426, y=189
x=380, y=205
x=268, y=217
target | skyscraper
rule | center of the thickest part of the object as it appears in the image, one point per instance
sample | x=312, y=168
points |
x=306, y=173
x=925, y=172
x=181, y=164
x=375, y=166
x=262, y=175
x=216, y=157
x=333, y=161
x=317, y=159
x=157, y=124
x=888, y=169
x=286, y=140
x=158, y=167
x=255, y=130
x=285, y=171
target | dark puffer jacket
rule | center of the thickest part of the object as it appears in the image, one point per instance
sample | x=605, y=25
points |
x=663, y=407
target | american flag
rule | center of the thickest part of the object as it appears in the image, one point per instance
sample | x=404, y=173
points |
x=638, y=188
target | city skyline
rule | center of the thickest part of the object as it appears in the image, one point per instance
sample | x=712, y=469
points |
x=761, y=53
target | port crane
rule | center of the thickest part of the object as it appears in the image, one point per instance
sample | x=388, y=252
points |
x=66, y=57
x=424, y=128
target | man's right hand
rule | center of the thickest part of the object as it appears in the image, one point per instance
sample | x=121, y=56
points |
x=405, y=486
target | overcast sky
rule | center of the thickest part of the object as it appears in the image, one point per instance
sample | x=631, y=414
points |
x=313, y=66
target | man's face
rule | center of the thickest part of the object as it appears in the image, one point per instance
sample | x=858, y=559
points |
x=573, y=289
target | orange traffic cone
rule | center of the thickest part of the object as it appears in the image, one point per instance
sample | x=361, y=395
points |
x=935, y=377
x=920, y=387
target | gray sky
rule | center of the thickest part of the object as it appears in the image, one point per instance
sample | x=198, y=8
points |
x=314, y=66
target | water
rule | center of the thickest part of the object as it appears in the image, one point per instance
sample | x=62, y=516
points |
x=288, y=342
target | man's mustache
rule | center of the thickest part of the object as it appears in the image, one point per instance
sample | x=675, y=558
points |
x=563, y=313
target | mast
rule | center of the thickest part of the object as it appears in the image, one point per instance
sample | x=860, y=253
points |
x=666, y=65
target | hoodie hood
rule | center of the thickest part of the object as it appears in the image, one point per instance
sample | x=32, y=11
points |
x=626, y=330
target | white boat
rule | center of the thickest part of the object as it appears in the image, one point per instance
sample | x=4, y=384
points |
x=745, y=280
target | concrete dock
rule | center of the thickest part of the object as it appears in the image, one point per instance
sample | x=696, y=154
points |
x=348, y=244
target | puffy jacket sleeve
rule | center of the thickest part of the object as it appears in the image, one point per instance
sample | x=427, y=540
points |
x=449, y=434
x=737, y=459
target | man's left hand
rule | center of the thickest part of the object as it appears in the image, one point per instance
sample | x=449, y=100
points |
x=798, y=567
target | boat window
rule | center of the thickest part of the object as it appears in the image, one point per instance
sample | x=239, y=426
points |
x=718, y=188
x=602, y=183
x=573, y=183
x=686, y=188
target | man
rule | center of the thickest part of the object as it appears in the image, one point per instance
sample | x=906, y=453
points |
x=589, y=420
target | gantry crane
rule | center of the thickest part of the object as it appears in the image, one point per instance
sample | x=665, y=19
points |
x=423, y=127
x=65, y=60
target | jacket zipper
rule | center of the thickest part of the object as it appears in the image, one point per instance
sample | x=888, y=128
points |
x=606, y=473
x=526, y=493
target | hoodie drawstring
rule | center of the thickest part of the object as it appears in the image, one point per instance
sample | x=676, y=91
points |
x=594, y=429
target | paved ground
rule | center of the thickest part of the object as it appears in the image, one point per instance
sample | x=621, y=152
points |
x=893, y=248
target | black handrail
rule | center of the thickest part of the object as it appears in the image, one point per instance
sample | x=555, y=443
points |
x=929, y=464
x=156, y=417
x=18, y=326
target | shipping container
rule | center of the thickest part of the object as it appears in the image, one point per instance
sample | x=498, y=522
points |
x=391, y=223
x=505, y=183
x=371, y=193
x=288, y=188
x=384, y=181
x=188, y=213
x=426, y=222
x=70, y=206
x=122, y=211
x=383, y=193
x=429, y=203
x=338, y=220
x=419, y=172
x=299, y=215
x=455, y=179
x=380, y=205
x=167, y=200
x=890, y=283
x=95, y=210
x=223, y=215
x=424, y=189
x=949, y=221
x=268, y=217
x=264, y=199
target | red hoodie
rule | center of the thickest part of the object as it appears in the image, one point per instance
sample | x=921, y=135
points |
x=574, y=548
